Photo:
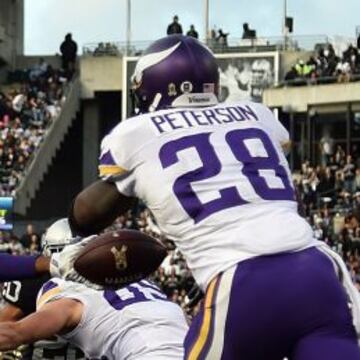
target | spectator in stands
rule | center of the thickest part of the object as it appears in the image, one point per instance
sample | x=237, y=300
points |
x=38, y=69
x=174, y=27
x=27, y=239
x=343, y=71
x=292, y=74
x=247, y=32
x=303, y=70
x=192, y=32
x=68, y=49
x=326, y=149
x=222, y=38
x=349, y=174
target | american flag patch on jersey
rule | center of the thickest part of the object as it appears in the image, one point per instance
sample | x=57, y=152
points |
x=208, y=87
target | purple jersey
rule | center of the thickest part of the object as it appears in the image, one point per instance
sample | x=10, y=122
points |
x=16, y=267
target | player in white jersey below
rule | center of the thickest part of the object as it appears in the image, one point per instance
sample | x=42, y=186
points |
x=20, y=298
x=217, y=181
x=135, y=322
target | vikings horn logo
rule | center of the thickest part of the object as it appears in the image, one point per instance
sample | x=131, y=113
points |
x=149, y=60
x=120, y=257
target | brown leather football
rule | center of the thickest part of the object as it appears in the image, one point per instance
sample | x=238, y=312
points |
x=118, y=258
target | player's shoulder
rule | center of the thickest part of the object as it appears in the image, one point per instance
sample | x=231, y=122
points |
x=138, y=124
x=57, y=288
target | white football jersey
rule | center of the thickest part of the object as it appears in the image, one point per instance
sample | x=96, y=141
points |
x=215, y=178
x=135, y=322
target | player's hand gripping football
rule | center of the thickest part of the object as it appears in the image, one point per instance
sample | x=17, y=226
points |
x=62, y=263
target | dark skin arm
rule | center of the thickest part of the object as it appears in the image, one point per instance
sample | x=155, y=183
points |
x=53, y=318
x=96, y=207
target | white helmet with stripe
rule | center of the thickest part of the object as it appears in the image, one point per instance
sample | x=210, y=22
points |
x=56, y=237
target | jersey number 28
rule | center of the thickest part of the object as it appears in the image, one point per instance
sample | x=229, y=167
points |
x=211, y=166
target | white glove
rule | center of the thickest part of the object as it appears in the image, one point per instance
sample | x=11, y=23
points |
x=62, y=263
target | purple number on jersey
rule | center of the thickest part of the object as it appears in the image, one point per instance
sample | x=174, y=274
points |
x=197, y=210
x=211, y=166
x=134, y=293
x=254, y=164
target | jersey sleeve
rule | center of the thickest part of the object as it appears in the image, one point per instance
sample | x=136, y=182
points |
x=116, y=160
x=272, y=124
x=56, y=289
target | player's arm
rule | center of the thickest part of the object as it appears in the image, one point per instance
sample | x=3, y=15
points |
x=59, y=316
x=22, y=267
x=96, y=207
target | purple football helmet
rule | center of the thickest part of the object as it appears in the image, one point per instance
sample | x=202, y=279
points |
x=175, y=71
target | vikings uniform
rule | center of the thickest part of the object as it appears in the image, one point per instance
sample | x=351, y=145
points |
x=216, y=180
x=218, y=183
x=22, y=294
x=135, y=322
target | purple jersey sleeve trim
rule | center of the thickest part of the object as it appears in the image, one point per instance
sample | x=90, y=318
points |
x=107, y=159
x=16, y=267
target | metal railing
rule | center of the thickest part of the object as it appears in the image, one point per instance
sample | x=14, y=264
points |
x=270, y=43
x=322, y=80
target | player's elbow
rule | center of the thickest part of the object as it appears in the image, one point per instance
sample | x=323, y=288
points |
x=81, y=215
x=82, y=209
x=94, y=208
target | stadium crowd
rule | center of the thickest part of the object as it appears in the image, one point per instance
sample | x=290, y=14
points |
x=330, y=195
x=325, y=66
x=26, y=111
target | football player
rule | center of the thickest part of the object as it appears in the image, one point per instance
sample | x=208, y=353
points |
x=135, y=322
x=20, y=296
x=217, y=180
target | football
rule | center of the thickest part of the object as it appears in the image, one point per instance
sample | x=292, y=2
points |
x=117, y=258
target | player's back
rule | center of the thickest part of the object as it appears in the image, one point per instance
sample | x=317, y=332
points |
x=216, y=179
x=135, y=322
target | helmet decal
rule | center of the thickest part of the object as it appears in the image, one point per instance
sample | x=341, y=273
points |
x=149, y=60
x=174, y=71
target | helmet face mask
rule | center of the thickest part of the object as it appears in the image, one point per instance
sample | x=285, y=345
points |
x=56, y=237
x=173, y=67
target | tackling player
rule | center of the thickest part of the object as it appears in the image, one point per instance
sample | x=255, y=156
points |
x=217, y=181
x=20, y=296
x=135, y=322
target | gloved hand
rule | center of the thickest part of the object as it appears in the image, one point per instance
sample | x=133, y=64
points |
x=62, y=263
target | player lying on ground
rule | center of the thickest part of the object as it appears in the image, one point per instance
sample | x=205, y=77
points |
x=135, y=322
x=20, y=297
x=217, y=181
